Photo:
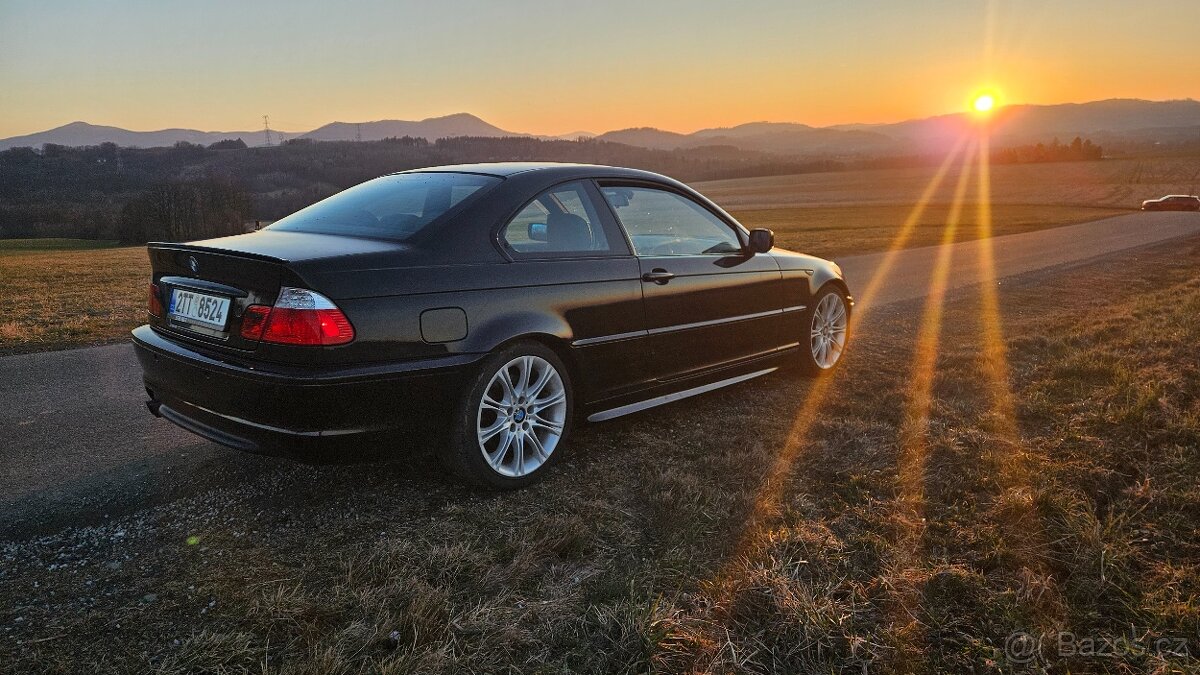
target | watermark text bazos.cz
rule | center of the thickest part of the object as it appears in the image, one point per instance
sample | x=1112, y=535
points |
x=1024, y=647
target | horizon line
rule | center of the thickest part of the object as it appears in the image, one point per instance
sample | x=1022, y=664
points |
x=581, y=131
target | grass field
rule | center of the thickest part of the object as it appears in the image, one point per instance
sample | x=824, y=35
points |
x=1117, y=183
x=18, y=246
x=908, y=515
x=836, y=214
x=56, y=294
x=837, y=231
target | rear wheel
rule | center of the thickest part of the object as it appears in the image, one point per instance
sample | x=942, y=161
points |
x=827, y=325
x=513, y=418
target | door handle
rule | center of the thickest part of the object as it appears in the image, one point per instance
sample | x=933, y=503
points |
x=658, y=275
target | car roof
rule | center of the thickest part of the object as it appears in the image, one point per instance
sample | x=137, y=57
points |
x=563, y=169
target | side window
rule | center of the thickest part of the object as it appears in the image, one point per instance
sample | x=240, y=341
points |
x=560, y=221
x=664, y=223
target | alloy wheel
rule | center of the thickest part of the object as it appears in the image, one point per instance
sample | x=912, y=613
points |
x=828, y=330
x=521, y=416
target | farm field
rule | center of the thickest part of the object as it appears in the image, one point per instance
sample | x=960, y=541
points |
x=56, y=294
x=837, y=214
x=19, y=246
x=837, y=231
x=1111, y=183
x=907, y=515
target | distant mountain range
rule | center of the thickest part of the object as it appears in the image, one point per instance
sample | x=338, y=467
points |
x=786, y=138
x=1129, y=119
x=449, y=126
x=1102, y=121
x=82, y=133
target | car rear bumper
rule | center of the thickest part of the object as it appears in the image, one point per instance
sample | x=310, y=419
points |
x=312, y=414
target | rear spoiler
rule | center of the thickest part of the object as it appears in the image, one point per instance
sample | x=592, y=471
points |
x=171, y=246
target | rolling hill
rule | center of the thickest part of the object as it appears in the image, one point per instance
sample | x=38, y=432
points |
x=1113, y=118
x=1104, y=121
x=78, y=134
x=785, y=138
x=460, y=124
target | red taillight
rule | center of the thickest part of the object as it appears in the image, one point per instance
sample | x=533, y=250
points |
x=254, y=320
x=307, y=327
x=155, y=306
x=299, y=317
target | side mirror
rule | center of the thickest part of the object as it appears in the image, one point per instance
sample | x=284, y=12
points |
x=761, y=240
x=537, y=232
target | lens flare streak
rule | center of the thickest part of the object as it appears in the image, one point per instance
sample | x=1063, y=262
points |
x=757, y=530
x=766, y=504
x=1007, y=455
x=906, y=555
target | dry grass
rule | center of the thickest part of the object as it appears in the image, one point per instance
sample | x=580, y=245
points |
x=69, y=296
x=652, y=547
x=836, y=231
x=1117, y=183
x=15, y=246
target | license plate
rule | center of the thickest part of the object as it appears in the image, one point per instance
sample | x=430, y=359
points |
x=206, y=310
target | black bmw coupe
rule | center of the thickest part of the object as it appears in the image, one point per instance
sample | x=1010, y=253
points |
x=507, y=300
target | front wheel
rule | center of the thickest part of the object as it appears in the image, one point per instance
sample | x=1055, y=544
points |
x=513, y=418
x=827, y=324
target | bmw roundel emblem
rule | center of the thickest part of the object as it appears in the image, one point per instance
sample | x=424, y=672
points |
x=193, y=264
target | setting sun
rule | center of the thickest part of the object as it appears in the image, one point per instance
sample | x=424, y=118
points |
x=984, y=103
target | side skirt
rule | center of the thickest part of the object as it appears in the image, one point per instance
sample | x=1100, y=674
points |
x=674, y=396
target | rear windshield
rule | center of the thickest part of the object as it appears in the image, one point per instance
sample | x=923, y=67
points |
x=391, y=207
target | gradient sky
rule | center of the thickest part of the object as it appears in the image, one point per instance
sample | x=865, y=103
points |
x=561, y=66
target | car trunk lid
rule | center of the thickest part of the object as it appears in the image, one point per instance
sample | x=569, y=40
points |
x=204, y=291
x=250, y=269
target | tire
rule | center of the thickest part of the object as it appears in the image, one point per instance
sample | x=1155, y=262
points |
x=826, y=331
x=513, y=436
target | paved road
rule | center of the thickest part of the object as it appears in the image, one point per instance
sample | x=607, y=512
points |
x=1016, y=254
x=78, y=442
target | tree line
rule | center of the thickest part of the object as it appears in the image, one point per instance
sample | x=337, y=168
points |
x=1078, y=150
x=191, y=191
x=181, y=211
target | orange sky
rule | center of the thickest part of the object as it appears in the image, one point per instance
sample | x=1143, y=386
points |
x=557, y=67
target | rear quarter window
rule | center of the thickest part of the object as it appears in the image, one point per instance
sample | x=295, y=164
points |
x=392, y=207
x=559, y=222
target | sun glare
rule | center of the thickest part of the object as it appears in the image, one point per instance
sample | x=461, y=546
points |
x=984, y=103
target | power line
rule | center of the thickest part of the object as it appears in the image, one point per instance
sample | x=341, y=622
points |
x=358, y=133
x=267, y=129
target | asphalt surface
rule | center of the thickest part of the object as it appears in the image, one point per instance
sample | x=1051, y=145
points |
x=78, y=444
x=1014, y=254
